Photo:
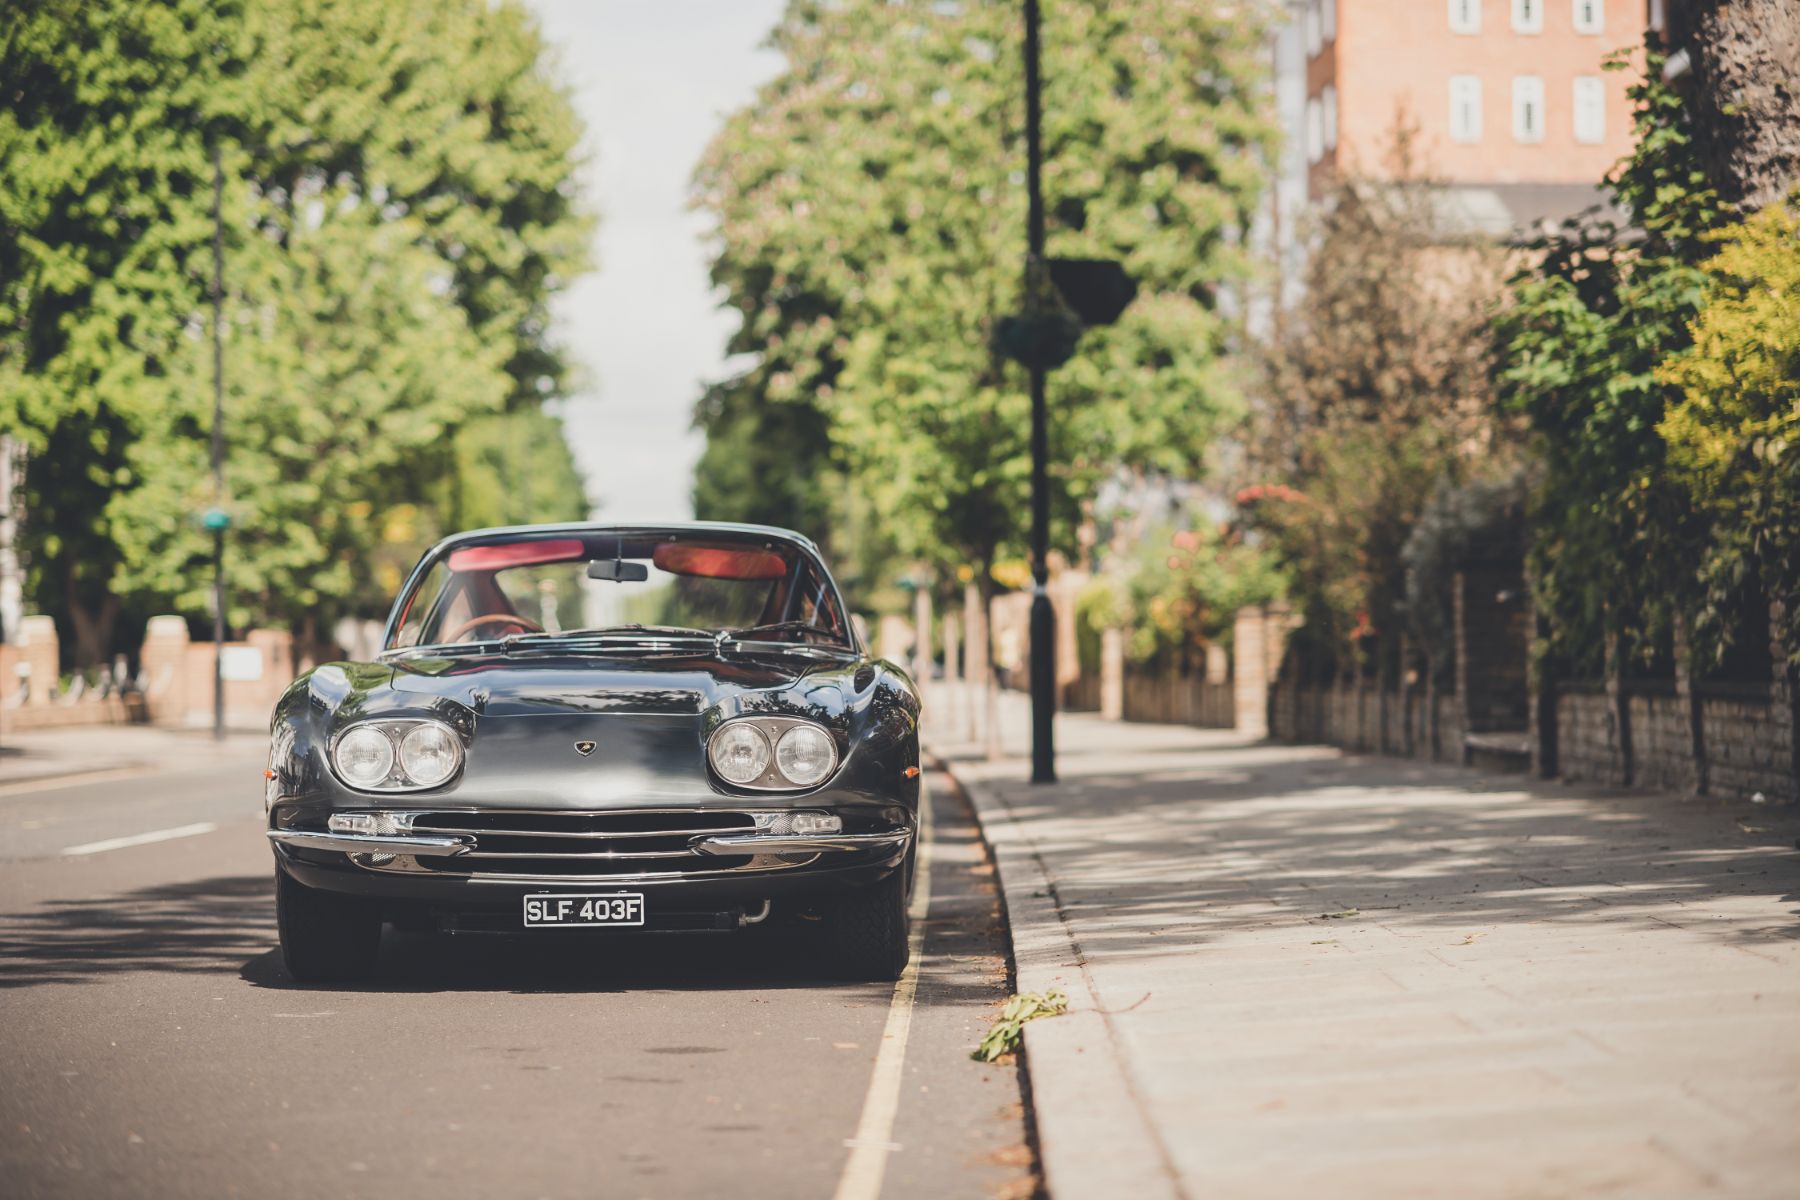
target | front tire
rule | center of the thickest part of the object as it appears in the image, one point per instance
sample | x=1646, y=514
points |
x=868, y=933
x=325, y=937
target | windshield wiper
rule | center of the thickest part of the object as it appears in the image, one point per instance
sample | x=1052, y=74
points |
x=611, y=633
x=749, y=632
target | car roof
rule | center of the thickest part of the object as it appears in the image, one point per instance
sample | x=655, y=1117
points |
x=627, y=527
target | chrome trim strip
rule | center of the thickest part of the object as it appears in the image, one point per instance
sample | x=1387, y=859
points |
x=593, y=836
x=364, y=843
x=800, y=843
x=579, y=855
x=703, y=875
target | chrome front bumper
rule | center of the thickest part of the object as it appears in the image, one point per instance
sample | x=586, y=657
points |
x=790, y=843
x=428, y=846
x=369, y=843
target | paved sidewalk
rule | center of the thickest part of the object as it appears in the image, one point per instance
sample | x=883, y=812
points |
x=48, y=754
x=1298, y=973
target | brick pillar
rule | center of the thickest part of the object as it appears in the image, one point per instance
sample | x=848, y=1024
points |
x=1618, y=704
x=1112, y=674
x=1784, y=692
x=1250, y=688
x=953, y=668
x=922, y=638
x=163, y=664
x=40, y=654
x=977, y=653
x=1688, y=700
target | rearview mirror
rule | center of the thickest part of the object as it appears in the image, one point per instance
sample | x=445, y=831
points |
x=618, y=570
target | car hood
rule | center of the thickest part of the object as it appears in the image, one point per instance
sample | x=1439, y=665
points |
x=652, y=684
x=646, y=715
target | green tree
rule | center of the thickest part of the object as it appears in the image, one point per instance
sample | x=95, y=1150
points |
x=104, y=175
x=871, y=217
x=400, y=208
x=1590, y=323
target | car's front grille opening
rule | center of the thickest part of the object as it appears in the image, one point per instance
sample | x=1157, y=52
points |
x=583, y=845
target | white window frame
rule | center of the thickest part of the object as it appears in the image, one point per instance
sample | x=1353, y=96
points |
x=1528, y=109
x=1311, y=23
x=1465, y=95
x=1328, y=102
x=1528, y=16
x=1465, y=16
x=1587, y=107
x=1589, y=16
x=1328, y=20
x=1314, y=130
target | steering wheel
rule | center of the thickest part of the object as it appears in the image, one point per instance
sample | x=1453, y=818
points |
x=525, y=623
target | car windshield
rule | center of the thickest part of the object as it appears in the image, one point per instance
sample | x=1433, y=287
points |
x=632, y=586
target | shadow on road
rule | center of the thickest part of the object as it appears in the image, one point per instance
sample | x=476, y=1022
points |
x=226, y=926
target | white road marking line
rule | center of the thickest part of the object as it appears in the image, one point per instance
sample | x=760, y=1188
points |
x=873, y=1141
x=64, y=781
x=141, y=839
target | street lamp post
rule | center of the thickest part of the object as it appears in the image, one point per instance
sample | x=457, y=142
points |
x=216, y=518
x=1043, y=617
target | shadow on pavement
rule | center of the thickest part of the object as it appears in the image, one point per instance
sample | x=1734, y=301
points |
x=1169, y=846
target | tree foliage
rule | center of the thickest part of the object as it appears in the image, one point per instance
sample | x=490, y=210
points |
x=1733, y=436
x=1591, y=322
x=398, y=210
x=1375, y=395
x=870, y=210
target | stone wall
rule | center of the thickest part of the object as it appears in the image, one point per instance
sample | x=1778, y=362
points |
x=1743, y=739
x=1367, y=720
x=1587, y=735
x=1746, y=735
x=1177, y=699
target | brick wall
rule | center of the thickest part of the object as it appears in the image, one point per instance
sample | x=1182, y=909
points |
x=1179, y=700
x=1746, y=745
x=1662, y=745
x=1350, y=718
x=1586, y=735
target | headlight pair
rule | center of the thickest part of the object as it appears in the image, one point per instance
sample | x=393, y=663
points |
x=397, y=756
x=772, y=753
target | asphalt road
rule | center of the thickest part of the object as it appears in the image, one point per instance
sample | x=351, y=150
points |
x=152, y=1045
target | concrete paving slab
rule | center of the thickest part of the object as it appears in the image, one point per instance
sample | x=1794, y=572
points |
x=1298, y=972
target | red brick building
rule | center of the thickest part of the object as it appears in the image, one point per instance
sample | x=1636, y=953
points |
x=1508, y=97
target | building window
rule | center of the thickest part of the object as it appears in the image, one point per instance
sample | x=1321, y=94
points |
x=1465, y=108
x=1590, y=109
x=1328, y=20
x=1315, y=130
x=1528, y=16
x=1590, y=16
x=1528, y=108
x=1312, y=22
x=1465, y=16
x=1328, y=98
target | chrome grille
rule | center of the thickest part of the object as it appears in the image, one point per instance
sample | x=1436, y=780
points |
x=584, y=845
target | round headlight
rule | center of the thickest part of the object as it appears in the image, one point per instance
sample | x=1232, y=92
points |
x=365, y=757
x=429, y=754
x=740, y=753
x=805, y=755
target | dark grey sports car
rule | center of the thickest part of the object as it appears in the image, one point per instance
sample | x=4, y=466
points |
x=582, y=728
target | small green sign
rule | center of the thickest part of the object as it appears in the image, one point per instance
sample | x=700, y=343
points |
x=216, y=520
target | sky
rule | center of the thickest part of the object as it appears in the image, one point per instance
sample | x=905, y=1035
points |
x=652, y=80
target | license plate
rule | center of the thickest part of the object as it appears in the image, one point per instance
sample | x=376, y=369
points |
x=581, y=909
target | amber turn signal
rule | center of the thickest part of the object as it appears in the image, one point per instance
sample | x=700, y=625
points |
x=911, y=772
